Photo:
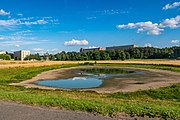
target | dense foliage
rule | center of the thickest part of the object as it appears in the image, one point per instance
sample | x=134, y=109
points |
x=134, y=53
x=5, y=57
x=106, y=71
x=33, y=57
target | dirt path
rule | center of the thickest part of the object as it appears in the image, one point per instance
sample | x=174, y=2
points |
x=14, y=111
x=150, y=79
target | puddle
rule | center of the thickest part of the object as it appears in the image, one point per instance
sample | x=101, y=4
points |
x=87, y=78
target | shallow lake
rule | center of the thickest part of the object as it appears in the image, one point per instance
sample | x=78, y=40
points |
x=86, y=78
x=72, y=83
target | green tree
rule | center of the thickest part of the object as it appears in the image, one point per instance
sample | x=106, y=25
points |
x=5, y=57
x=84, y=56
x=123, y=55
x=112, y=55
x=128, y=56
x=96, y=55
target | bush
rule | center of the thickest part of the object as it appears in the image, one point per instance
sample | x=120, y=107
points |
x=5, y=57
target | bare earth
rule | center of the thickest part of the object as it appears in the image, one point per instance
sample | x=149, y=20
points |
x=150, y=79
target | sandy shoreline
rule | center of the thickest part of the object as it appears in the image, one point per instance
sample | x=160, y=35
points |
x=151, y=79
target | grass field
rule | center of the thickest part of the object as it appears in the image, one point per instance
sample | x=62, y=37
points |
x=6, y=64
x=162, y=103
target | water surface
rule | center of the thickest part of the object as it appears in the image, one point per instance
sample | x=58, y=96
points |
x=86, y=78
x=72, y=83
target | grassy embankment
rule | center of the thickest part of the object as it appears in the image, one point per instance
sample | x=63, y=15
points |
x=174, y=68
x=163, y=102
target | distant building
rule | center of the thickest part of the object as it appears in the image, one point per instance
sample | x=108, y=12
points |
x=125, y=47
x=91, y=49
x=3, y=52
x=20, y=55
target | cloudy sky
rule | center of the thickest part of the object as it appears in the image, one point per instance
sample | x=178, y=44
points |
x=57, y=25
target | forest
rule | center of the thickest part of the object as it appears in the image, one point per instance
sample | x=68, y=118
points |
x=135, y=53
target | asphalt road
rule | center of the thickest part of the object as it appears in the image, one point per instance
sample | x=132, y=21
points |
x=15, y=111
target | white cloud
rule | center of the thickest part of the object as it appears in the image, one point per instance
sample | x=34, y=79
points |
x=148, y=45
x=74, y=42
x=153, y=28
x=148, y=27
x=7, y=23
x=175, y=41
x=37, y=22
x=19, y=14
x=171, y=6
x=91, y=18
x=42, y=51
x=55, y=49
x=3, y=12
x=10, y=23
x=21, y=37
x=2, y=38
x=90, y=47
x=41, y=22
x=111, y=12
x=23, y=33
x=13, y=50
x=171, y=23
x=17, y=40
x=37, y=49
x=44, y=40
x=27, y=18
x=17, y=45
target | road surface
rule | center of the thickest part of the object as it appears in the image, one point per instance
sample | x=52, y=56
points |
x=15, y=111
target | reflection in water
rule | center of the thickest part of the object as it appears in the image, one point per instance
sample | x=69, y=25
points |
x=72, y=83
x=87, y=78
x=79, y=78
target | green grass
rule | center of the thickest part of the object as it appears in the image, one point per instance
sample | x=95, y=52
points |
x=18, y=74
x=163, y=102
x=165, y=93
x=173, y=68
x=106, y=71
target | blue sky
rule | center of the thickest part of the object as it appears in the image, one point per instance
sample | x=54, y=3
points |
x=67, y=25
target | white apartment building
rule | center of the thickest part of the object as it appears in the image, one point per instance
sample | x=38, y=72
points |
x=20, y=55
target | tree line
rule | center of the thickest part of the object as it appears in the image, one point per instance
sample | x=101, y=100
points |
x=5, y=57
x=134, y=53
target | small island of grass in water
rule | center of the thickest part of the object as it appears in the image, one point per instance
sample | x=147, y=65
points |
x=106, y=71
